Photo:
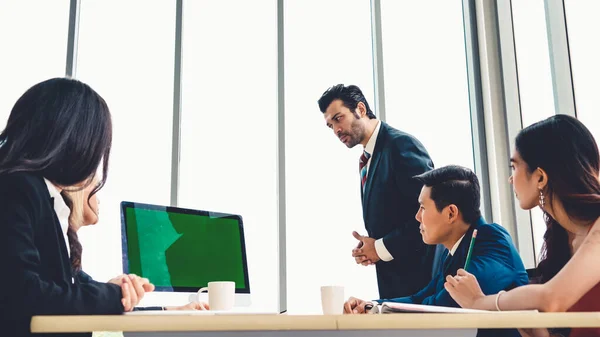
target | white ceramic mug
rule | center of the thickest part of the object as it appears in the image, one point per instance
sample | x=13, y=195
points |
x=332, y=300
x=221, y=295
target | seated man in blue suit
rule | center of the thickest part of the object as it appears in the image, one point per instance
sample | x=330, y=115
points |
x=449, y=213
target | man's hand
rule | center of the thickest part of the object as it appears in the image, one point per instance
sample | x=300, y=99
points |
x=354, y=306
x=191, y=306
x=365, y=252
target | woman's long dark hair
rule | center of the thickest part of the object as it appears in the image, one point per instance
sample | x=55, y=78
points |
x=75, y=246
x=566, y=150
x=60, y=129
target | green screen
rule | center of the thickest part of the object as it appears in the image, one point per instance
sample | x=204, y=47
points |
x=184, y=250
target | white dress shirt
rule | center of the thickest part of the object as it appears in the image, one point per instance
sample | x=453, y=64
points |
x=62, y=211
x=455, y=247
x=382, y=252
x=371, y=144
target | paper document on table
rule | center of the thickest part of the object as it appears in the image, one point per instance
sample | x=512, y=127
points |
x=392, y=307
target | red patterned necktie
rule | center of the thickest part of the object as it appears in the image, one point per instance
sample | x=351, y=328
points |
x=362, y=166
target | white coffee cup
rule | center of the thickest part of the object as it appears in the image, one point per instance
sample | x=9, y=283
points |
x=221, y=295
x=332, y=300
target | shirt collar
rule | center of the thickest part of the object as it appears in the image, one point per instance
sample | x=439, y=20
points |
x=54, y=193
x=370, y=147
x=60, y=207
x=455, y=247
x=480, y=221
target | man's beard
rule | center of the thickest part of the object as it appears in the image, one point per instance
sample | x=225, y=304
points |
x=356, y=135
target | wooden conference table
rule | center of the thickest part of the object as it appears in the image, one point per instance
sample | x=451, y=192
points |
x=410, y=324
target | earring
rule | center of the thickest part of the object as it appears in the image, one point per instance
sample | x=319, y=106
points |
x=542, y=202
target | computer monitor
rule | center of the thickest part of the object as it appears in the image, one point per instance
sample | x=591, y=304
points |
x=180, y=250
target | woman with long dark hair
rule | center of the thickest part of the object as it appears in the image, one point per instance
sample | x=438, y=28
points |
x=556, y=167
x=57, y=135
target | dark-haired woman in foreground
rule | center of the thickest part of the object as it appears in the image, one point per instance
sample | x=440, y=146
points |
x=556, y=167
x=56, y=136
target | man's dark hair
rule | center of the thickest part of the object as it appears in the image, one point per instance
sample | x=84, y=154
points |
x=350, y=96
x=455, y=185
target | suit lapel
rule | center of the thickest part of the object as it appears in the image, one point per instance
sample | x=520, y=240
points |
x=447, y=264
x=375, y=158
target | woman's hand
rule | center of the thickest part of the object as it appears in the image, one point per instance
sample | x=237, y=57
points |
x=464, y=289
x=118, y=280
x=133, y=289
x=148, y=287
x=191, y=306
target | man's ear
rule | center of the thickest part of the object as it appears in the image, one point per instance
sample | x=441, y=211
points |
x=452, y=212
x=362, y=109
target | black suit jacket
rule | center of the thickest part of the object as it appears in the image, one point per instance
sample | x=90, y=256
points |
x=390, y=202
x=37, y=277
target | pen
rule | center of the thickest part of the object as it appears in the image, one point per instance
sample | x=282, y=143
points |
x=470, y=249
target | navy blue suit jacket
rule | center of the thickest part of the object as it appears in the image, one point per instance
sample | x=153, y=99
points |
x=390, y=202
x=494, y=261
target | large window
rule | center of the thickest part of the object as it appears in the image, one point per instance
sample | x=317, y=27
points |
x=426, y=88
x=131, y=66
x=583, y=28
x=30, y=55
x=533, y=60
x=327, y=42
x=535, y=81
x=229, y=125
x=228, y=154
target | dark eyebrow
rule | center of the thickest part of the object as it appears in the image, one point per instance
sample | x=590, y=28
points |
x=332, y=118
x=512, y=160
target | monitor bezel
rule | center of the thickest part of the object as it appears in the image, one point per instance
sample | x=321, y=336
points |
x=138, y=205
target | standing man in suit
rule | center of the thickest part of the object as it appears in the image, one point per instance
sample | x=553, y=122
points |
x=389, y=194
